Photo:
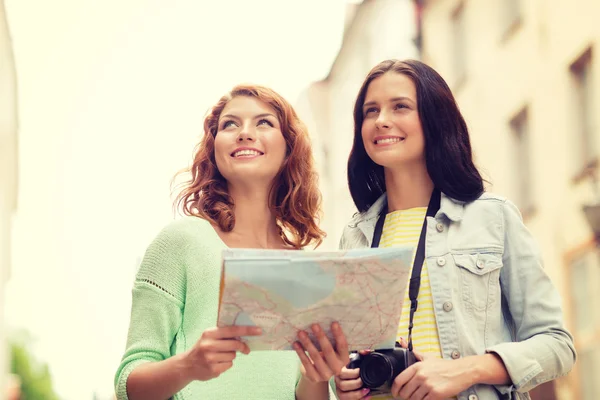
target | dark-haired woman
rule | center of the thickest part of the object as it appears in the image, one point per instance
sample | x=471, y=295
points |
x=487, y=321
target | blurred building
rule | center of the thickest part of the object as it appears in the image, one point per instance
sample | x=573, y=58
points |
x=374, y=30
x=8, y=174
x=526, y=76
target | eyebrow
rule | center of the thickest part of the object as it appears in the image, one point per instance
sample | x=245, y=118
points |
x=392, y=100
x=255, y=117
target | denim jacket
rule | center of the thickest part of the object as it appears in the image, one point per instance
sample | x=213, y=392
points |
x=490, y=291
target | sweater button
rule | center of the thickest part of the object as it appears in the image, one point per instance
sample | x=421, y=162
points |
x=455, y=355
x=441, y=261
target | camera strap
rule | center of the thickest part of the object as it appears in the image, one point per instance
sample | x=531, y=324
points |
x=415, y=278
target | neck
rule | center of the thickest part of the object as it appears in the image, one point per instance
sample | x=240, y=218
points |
x=407, y=188
x=255, y=224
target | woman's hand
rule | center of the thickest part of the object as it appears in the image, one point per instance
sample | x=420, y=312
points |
x=432, y=379
x=348, y=385
x=320, y=366
x=214, y=353
x=436, y=379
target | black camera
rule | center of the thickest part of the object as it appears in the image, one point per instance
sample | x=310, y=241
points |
x=378, y=369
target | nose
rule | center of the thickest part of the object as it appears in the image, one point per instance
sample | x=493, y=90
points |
x=382, y=121
x=246, y=133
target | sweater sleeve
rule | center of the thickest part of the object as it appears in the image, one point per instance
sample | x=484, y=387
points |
x=157, y=305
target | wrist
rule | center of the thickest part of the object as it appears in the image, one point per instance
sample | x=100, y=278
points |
x=485, y=369
x=183, y=366
x=308, y=383
x=471, y=371
x=307, y=389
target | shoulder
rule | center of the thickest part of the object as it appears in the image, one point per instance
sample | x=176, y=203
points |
x=490, y=202
x=492, y=208
x=498, y=201
x=167, y=258
x=182, y=236
x=488, y=199
x=352, y=236
x=186, y=229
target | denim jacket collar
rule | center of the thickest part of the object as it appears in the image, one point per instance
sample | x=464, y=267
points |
x=452, y=209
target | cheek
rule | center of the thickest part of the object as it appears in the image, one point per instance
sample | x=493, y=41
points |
x=278, y=145
x=421, y=137
x=219, y=149
x=414, y=125
x=365, y=131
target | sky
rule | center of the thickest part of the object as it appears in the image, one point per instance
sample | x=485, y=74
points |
x=111, y=99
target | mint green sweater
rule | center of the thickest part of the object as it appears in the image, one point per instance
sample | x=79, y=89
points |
x=175, y=298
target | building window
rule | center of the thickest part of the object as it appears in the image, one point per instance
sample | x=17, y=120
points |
x=459, y=47
x=512, y=16
x=583, y=120
x=521, y=153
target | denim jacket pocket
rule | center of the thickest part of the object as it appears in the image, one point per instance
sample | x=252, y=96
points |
x=479, y=274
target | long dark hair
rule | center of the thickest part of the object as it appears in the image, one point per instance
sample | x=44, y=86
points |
x=447, y=147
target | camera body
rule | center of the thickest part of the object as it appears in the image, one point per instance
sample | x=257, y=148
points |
x=379, y=368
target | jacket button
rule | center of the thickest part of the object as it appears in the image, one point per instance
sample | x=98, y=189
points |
x=480, y=264
x=473, y=397
x=455, y=355
x=439, y=227
x=441, y=261
x=447, y=306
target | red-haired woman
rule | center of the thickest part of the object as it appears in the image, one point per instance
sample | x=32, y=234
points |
x=252, y=185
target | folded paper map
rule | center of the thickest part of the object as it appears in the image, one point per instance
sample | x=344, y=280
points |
x=285, y=291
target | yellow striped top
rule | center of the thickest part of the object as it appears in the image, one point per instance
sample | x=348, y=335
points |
x=403, y=227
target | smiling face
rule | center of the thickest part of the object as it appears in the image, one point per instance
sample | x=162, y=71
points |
x=391, y=128
x=249, y=144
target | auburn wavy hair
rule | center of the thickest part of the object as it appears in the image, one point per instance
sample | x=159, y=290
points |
x=295, y=198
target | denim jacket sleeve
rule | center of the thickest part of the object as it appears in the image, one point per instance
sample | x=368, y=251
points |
x=543, y=349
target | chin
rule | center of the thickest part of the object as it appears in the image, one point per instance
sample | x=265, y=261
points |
x=256, y=176
x=391, y=160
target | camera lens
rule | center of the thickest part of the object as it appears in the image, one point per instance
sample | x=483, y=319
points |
x=375, y=370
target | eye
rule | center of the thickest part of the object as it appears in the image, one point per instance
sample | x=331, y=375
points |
x=227, y=124
x=400, y=105
x=371, y=110
x=265, y=121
